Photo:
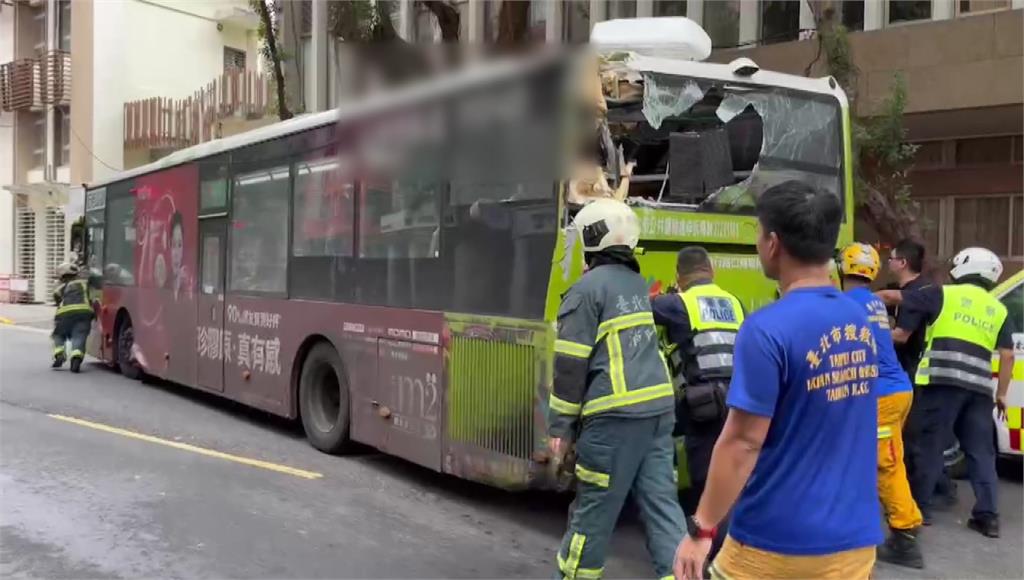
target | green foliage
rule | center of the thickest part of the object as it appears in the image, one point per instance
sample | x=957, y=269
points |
x=881, y=155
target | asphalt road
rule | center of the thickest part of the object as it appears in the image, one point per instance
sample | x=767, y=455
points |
x=105, y=477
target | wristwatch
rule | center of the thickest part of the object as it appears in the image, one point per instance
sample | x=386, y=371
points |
x=696, y=532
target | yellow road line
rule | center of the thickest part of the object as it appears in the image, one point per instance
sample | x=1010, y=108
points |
x=186, y=447
x=6, y=320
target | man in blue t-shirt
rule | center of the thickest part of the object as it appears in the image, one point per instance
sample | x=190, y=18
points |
x=798, y=454
x=859, y=265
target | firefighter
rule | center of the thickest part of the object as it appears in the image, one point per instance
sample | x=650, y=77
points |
x=613, y=398
x=859, y=265
x=74, y=316
x=701, y=324
x=965, y=325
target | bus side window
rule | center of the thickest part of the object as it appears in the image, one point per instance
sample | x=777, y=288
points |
x=259, y=243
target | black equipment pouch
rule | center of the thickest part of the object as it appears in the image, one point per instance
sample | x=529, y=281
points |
x=705, y=402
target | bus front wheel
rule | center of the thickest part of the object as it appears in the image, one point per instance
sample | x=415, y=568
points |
x=324, y=400
x=125, y=341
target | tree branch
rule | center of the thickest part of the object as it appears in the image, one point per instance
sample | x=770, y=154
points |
x=270, y=39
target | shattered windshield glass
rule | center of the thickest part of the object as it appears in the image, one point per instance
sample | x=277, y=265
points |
x=718, y=145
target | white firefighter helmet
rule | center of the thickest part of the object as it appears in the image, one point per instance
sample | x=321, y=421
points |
x=606, y=222
x=67, y=269
x=977, y=262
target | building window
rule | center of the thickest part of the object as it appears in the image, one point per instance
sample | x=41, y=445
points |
x=780, y=20
x=853, y=14
x=40, y=44
x=621, y=9
x=722, y=22
x=39, y=145
x=984, y=151
x=951, y=223
x=670, y=8
x=982, y=221
x=62, y=136
x=513, y=22
x=909, y=10
x=234, y=59
x=975, y=6
x=259, y=243
x=576, y=20
x=64, y=25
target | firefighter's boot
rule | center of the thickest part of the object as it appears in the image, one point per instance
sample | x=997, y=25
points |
x=76, y=364
x=58, y=360
x=901, y=548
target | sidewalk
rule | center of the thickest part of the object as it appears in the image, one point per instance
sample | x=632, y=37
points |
x=35, y=315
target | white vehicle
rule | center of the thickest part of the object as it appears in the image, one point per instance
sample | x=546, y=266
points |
x=1010, y=433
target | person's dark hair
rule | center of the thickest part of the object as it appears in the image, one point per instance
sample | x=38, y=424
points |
x=692, y=259
x=806, y=219
x=176, y=221
x=911, y=251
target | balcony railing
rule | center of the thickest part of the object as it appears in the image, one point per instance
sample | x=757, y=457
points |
x=160, y=122
x=35, y=83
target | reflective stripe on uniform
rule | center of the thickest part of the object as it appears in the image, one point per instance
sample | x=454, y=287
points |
x=957, y=374
x=595, y=477
x=74, y=308
x=562, y=406
x=573, y=349
x=629, y=398
x=714, y=361
x=570, y=565
x=616, y=372
x=58, y=350
x=77, y=354
x=713, y=338
x=589, y=573
x=952, y=356
x=623, y=322
x=885, y=432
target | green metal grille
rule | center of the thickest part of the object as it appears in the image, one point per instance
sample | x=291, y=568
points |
x=491, y=397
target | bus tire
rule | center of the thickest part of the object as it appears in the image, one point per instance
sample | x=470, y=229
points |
x=125, y=341
x=324, y=402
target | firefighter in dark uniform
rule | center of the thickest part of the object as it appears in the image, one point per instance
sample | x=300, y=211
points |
x=74, y=316
x=965, y=326
x=700, y=324
x=612, y=395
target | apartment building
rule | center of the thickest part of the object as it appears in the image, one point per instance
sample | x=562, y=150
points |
x=84, y=85
x=962, y=61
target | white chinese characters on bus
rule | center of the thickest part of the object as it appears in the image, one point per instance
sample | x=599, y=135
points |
x=243, y=350
x=249, y=351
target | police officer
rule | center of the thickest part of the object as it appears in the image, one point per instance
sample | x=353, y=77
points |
x=700, y=324
x=965, y=325
x=859, y=265
x=73, y=318
x=613, y=397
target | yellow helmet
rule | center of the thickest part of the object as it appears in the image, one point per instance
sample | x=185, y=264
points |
x=859, y=260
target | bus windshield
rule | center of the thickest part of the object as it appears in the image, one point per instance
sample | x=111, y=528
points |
x=716, y=145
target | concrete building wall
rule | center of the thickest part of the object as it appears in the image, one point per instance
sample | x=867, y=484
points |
x=144, y=49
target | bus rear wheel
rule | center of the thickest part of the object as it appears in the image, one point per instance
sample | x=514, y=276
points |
x=324, y=400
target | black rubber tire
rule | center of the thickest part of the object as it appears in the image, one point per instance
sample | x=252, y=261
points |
x=125, y=340
x=324, y=402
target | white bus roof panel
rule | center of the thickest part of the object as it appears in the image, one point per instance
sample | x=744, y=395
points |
x=676, y=37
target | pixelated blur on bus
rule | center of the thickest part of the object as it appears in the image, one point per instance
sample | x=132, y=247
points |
x=389, y=272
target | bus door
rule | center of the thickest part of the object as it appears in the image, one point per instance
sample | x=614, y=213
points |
x=213, y=238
